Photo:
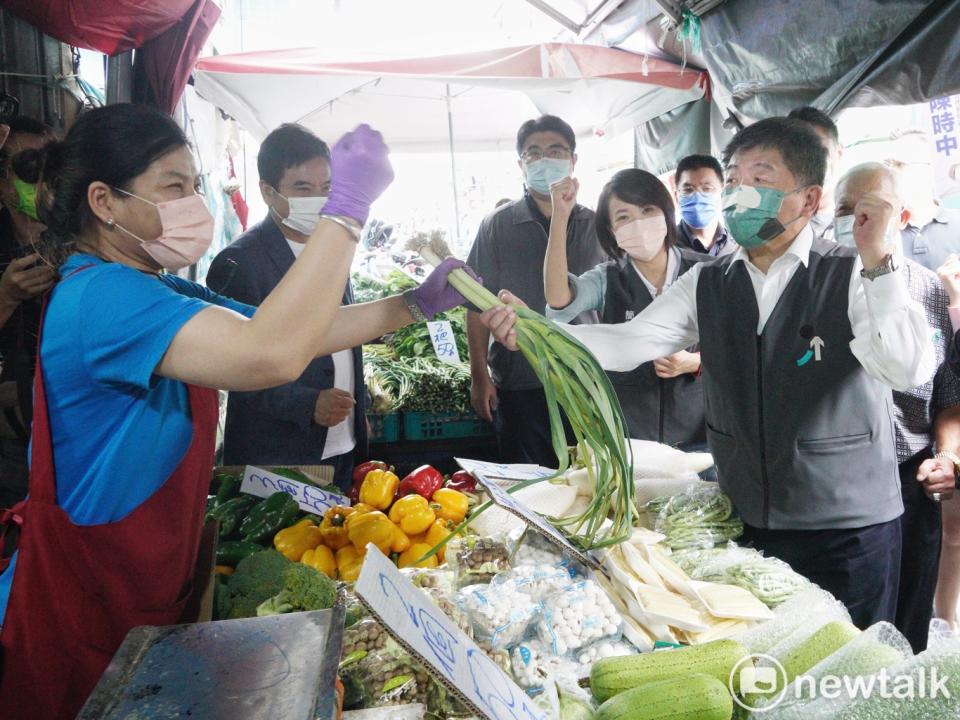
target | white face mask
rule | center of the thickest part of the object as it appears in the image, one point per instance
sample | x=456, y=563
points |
x=843, y=231
x=304, y=212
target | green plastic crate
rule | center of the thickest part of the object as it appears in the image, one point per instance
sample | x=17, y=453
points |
x=443, y=426
x=384, y=428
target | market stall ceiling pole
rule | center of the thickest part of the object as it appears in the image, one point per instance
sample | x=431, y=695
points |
x=453, y=165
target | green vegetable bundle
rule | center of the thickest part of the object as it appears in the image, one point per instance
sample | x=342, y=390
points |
x=573, y=380
x=367, y=288
x=422, y=384
x=701, y=517
x=414, y=339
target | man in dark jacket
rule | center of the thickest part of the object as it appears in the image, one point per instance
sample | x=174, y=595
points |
x=319, y=418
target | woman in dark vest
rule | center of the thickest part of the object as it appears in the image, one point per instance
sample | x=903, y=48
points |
x=662, y=400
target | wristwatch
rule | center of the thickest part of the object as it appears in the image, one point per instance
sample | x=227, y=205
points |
x=887, y=266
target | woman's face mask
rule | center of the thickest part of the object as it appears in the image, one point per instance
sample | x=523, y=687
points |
x=186, y=234
x=642, y=239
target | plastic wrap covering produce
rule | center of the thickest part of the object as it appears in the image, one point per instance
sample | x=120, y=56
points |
x=547, y=498
x=366, y=636
x=475, y=560
x=531, y=548
x=442, y=579
x=388, y=676
x=647, y=489
x=602, y=649
x=880, y=647
x=924, y=687
x=770, y=580
x=577, y=616
x=701, y=516
x=534, y=663
x=500, y=616
x=799, y=616
x=536, y=581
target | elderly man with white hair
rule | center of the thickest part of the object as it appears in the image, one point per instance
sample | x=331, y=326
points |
x=927, y=417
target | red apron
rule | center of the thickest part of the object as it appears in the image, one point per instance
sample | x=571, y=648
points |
x=78, y=589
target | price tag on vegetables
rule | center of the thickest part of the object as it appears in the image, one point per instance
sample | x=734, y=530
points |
x=311, y=499
x=444, y=341
x=452, y=657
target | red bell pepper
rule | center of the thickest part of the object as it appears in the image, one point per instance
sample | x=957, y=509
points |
x=463, y=481
x=423, y=481
x=359, y=473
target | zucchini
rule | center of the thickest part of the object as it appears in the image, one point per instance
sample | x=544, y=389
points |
x=611, y=676
x=692, y=697
x=818, y=647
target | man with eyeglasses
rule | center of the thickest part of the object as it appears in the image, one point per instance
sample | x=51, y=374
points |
x=933, y=232
x=699, y=181
x=509, y=251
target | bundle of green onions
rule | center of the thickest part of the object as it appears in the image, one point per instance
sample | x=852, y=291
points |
x=573, y=380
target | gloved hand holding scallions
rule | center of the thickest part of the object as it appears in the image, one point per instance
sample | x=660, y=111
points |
x=572, y=380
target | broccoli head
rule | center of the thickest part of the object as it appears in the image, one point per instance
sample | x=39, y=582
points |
x=304, y=588
x=257, y=577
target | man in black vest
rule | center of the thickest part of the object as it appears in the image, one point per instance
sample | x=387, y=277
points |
x=800, y=341
x=319, y=418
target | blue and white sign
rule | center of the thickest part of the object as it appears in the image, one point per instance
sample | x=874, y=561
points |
x=444, y=341
x=413, y=619
x=310, y=498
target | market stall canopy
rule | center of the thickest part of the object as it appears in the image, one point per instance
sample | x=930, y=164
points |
x=488, y=94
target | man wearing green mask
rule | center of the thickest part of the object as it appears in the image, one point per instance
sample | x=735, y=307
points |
x=801, y=341
x=23, y=280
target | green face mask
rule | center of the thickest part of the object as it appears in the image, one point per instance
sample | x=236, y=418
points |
x=26, y=198
x=750, y=214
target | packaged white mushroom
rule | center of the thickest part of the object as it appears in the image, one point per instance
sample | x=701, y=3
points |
x=499, y=615
x=577, y=616
x=533, y=663
x=537, y=581
x=603, y=649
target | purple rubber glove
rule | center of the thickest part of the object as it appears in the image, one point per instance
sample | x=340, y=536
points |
x=360, y=170
x=435, y=295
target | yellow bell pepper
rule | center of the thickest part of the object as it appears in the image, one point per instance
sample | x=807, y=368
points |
x=372, y=527
x=333, y=529
x=294, y=541
x=379, y=488
x=349, y=562
x=438, y=532
x=400, y=540
x=321, y=558
x=416, y=551
x=450, y=504
x=361, y=508
x=413, y=514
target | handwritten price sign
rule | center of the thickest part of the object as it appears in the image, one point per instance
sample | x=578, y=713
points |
x=311, y=499
x=444, y=341
x=452, y=657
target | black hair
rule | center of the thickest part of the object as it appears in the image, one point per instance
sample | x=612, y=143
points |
x=817, y=118
x=114, y=145
x=546, y=123
x=286, y=147
x=637, y=187
x=697, y=162
x=799, y=146
x=23, y=126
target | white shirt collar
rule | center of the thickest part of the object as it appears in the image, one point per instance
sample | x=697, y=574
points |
x=673, y=272
x=799, y=248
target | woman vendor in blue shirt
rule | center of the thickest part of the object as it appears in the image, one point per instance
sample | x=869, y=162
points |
x=126, y=410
